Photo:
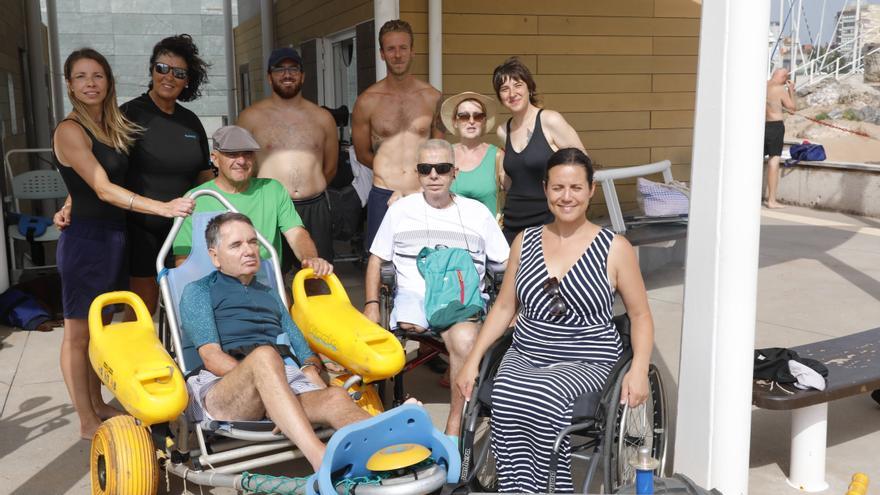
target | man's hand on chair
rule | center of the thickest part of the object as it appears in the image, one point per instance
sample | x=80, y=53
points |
x=321, y=266
x=371, y=311
x=312, y=368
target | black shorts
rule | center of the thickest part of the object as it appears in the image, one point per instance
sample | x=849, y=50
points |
x=377, y=206
x=91, y=261
x=144, y=242
x=318, y=222
x=774, y=135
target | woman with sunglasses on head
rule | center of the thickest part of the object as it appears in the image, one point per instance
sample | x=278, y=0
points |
x=91, y=151
x=530, y=136
x=562, y=278
x=169, y=157
x=469, y=116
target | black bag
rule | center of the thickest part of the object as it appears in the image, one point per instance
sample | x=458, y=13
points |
x=772, y=364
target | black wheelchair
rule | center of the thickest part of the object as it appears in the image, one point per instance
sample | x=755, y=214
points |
x=604, y=433
x=431, y=345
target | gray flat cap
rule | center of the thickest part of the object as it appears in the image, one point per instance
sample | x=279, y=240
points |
x=234, y=138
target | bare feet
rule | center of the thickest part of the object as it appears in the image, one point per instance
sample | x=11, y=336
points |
x=773, y=205
x=87, y=431
x=413, y=400
x=106, y=411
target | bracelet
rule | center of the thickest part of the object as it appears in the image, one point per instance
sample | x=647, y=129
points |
x=131, y=201
x=371, y=301
x=306, y=365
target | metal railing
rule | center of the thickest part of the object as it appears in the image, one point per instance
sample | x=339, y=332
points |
x=841, y=61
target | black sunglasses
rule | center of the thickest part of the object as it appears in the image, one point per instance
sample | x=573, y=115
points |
x=557, y=303
x=163, y=69
x=466, y=117
x=441, y=168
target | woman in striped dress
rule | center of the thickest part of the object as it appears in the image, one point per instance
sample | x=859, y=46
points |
x=564, y=343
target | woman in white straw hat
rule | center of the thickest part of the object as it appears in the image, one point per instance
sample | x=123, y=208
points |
x=469, y=116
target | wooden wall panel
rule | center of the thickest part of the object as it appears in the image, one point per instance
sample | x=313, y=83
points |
x=622, y=72
x=672, y=119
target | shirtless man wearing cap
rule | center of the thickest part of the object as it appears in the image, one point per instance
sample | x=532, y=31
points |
x=391, y=119
x=299, y=147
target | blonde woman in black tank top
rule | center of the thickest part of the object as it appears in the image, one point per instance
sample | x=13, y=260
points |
x=91, y=152
x=531, y=135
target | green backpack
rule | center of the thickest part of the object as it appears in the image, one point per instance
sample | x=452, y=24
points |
x=452, y=286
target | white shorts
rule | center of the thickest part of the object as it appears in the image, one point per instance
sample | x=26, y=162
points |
x=409, y=307
x=199, y=386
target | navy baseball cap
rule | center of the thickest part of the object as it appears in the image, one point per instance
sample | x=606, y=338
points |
x=284, y=53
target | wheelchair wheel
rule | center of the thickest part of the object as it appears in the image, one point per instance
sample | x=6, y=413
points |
x=627, y=429
x=477, y=454
x=123, y=459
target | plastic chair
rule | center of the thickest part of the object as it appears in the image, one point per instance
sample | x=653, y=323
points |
x=33, y=185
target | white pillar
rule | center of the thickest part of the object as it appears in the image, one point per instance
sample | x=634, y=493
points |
x=229, y=46
x=267, y=26
x=435, y=43
x=383, y=11
x=55, y=62
x=715, y=377
x=809, y=435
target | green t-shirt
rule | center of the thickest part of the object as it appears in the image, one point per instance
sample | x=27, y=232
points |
x=265, y=202
x=479, y=183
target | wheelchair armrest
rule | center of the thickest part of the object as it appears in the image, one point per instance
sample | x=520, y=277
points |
x=495, y=273
x=388, y=274
x=489, y=366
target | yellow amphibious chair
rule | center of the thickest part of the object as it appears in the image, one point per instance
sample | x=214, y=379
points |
x=396, y=452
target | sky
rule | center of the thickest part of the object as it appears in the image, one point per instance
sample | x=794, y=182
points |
x=813, y=16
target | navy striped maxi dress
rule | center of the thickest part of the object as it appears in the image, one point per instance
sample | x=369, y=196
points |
x=552, y=361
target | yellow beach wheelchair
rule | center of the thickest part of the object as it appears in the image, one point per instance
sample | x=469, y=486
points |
x=394, y=452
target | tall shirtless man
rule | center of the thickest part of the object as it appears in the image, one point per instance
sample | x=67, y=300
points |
x=780, y=94
x=391, y=119
x=299, y=146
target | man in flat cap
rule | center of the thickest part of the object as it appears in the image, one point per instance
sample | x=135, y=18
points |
x=264, y=201
x=299, y=147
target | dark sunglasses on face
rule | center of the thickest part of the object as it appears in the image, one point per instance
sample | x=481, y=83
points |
x=441, y=168
x=557, y=303
x=465, y=116
x=286, y=70
x=163, y=69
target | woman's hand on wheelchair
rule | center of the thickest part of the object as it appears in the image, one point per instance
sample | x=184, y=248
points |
x=466, y=379
x=634, y=389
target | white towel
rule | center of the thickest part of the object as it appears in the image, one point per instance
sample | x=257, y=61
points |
x=807, y=377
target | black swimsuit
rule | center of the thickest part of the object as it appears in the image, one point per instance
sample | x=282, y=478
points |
x=526, y=204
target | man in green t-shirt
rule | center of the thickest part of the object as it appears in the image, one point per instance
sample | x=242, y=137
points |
x=264, y=201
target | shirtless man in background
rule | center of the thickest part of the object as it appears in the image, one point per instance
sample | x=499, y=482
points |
x=299, y=146
x=780, y=94
x=391, y=119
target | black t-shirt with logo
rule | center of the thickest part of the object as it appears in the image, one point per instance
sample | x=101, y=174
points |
x=166, y=159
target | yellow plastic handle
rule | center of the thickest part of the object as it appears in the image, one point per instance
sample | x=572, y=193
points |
x=162, y=373
x=118, y=297
x=298, y=286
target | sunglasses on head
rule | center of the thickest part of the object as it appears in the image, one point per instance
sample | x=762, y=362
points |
x=441, y=168
x=466, y=117
x=293, y=69
x=163, y=69
x=557, y=303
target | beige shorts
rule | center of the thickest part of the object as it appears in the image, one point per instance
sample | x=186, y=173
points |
x=199, y=386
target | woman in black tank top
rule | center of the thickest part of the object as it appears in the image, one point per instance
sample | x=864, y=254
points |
x=530, y=137
x=91, y=152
